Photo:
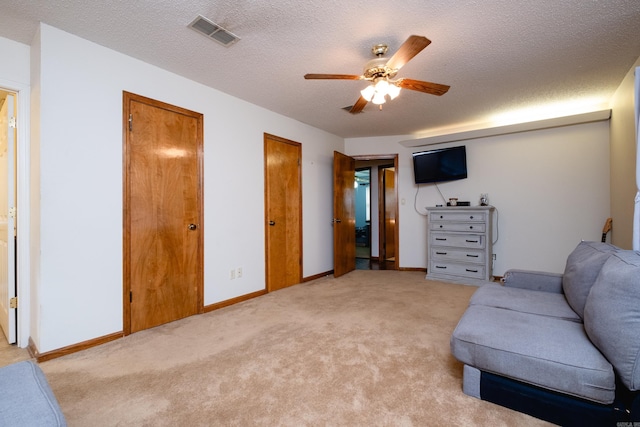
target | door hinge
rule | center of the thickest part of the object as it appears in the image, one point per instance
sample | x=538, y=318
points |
x=130, y=122
x=13, y=212
x=130, y=296
x=13, y=302
x=12, y=122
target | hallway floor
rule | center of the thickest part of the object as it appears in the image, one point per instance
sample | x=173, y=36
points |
x=11, y=353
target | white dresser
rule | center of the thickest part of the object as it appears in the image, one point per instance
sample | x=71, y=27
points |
x=460, y=240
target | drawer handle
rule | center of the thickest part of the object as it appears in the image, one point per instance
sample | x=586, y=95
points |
x=471, y=217
x=441, y=253
x=473, y=256
x=440, y=225
x=441, y=217
x=442, y=239
x=471, y=271
x=441, y=266
x=471, y=227
x=470, y=241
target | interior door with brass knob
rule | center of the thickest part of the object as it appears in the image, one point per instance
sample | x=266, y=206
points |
x=283, y=212
x=163, y=241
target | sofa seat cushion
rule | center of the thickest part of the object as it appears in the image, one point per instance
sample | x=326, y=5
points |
x=540, y=350
x=26, y=399
x=525, y=301
x=612, y=315
x=582, y=269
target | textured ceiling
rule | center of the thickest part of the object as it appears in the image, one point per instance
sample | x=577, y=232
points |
x=498, y=56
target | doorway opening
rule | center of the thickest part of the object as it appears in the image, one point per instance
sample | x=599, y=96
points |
x=376, y=212
x=362, y=188
x=8, y=205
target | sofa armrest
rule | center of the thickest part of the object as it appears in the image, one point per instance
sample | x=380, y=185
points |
x=534, y=280
x=26, y=398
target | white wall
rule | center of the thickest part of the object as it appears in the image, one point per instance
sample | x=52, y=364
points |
x=80, y=140
x=551, y=188
x=14, y=67
x=623, y=160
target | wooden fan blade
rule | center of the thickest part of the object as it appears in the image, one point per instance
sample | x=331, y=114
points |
x=332, y=76
x=358, y=106
x=410, y=48
x=426, y=87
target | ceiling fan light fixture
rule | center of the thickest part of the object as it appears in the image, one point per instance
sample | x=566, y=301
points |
x=380, y=72
x=379, y=90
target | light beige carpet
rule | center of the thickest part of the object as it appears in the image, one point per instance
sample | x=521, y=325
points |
x=11, y=353
x=368, y=349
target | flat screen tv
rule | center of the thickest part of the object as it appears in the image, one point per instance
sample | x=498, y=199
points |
x=443, y=164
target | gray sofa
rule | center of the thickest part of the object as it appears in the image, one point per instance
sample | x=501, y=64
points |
x=26, y=399
x=561, y=347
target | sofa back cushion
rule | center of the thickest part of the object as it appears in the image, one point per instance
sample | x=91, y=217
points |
x=581, y=271
x=612, y=315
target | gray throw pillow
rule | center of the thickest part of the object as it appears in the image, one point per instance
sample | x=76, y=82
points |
x=612, y=315
x=581, y=271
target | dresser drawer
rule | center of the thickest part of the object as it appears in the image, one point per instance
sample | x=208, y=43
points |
x=457, y=240
x=441, y=254
x=460, y=270
x=458, y=216
x=458, y=226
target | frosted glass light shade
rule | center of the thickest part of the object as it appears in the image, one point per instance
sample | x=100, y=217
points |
x=393, y=91
x=378, y=98
x=368, y=92
x=382, y=86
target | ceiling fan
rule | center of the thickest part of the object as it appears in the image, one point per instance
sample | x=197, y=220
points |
x=380, y=71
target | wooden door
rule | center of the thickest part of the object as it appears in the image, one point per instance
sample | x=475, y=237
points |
x=344, y=214
x=163, y=224
x=283, y=212
x=389, y=216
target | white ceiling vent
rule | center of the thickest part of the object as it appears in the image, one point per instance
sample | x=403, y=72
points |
x=213, y=31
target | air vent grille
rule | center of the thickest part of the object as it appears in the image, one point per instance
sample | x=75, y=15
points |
x=213, y=31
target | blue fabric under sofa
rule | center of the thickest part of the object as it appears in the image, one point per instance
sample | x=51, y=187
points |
x=26, y=400
x=561, y=347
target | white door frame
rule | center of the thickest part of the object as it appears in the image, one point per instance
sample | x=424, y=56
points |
x=23, y=173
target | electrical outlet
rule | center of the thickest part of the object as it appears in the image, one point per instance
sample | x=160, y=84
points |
x=239, y=272
x=232, y=274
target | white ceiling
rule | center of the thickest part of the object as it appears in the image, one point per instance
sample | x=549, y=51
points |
x=498, y=56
